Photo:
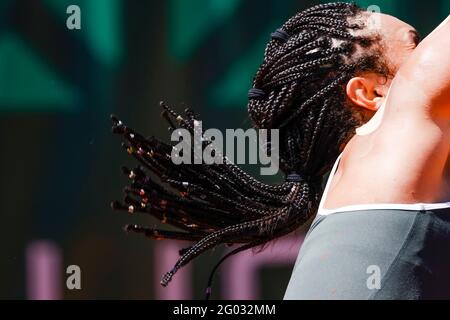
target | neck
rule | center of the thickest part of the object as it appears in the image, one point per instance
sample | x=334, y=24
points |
x=371, y=125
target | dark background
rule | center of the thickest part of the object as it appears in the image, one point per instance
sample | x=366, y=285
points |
x=60, y=164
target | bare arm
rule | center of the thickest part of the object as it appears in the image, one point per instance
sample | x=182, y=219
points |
x=423, y=82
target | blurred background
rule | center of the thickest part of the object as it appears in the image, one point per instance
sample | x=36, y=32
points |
x=60, y=164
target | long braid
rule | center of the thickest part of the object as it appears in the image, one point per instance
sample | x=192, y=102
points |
x=302, y=76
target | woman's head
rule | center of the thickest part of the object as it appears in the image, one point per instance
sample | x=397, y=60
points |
x=367, y=90
x=325, y=72
x=398, y=38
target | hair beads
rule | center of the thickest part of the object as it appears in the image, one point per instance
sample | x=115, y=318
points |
x=298, y=89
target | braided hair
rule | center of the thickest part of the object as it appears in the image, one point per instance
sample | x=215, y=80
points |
x=300, y=90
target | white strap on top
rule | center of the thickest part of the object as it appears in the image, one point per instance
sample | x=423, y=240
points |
x=322, y=210
x=373, y=206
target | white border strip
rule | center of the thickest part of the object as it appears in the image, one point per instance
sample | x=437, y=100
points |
x=381, y=206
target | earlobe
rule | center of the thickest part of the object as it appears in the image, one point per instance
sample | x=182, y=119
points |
x=361, y=91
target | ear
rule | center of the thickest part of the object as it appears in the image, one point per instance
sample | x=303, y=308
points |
x=365, y=92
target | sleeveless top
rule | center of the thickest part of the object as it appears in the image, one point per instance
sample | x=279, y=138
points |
x=374, y=206
x=383, y=251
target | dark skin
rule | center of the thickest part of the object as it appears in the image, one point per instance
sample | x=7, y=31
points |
x=215, y=205
x=402, y=154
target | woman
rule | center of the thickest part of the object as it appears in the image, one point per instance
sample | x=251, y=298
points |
x=325, y=73
x=383, y=224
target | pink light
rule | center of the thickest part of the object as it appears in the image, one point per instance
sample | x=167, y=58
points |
x=240, y=273
x=165, y=257
x=43, y=267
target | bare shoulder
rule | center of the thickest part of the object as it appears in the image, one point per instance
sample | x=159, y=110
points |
x=403, y=157
x=422, y=85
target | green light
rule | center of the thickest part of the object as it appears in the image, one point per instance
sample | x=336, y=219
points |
x=232, y=89
x=27, y=83
x=386, y=6
x=101, y=26
x=445, y=8
x=191, y=21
